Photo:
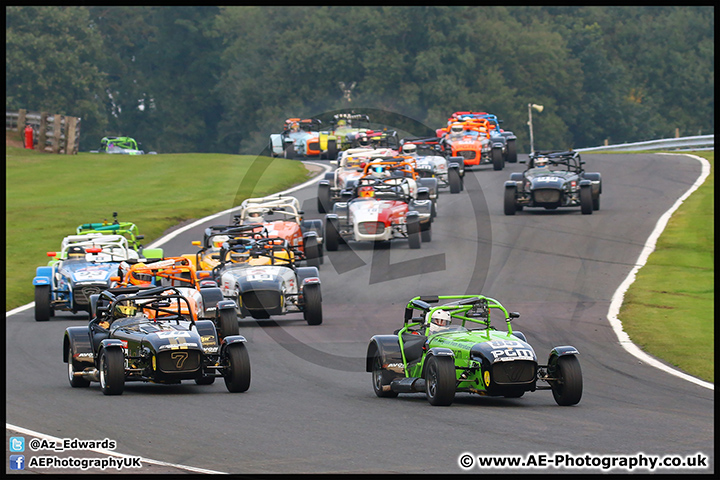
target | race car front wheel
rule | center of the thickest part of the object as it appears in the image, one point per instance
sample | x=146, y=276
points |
x=567, y=389
x=312, y=310
x=43, y=310
x=112, y=371
x=440, y=381
x=237, y=368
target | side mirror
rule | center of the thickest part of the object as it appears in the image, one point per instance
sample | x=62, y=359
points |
x=513, y=315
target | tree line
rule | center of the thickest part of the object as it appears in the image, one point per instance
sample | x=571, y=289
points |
x=222, y=79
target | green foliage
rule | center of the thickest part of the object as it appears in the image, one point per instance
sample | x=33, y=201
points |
x=52, y=64
x=223, y=79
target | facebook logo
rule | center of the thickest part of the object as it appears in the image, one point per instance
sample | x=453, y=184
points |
x=17, y=444
x=17, y=462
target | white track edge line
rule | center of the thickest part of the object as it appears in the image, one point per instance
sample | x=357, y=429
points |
x=619, y=295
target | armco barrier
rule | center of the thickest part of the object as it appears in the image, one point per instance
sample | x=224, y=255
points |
x=700, y=142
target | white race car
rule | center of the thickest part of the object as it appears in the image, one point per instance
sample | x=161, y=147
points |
x=262, y=278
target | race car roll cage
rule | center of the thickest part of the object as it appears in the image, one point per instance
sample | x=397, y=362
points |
x=286, y=205
x=567, y=158
x=143, y=298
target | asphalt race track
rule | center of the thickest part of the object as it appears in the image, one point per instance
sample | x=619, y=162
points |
x=311, y=408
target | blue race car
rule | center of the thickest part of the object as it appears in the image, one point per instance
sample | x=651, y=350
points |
x=84, y=266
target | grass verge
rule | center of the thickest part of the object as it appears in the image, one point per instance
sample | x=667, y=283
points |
x=48, y=196
x=669, y=311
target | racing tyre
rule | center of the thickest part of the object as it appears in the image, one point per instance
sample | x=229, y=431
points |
x=324, y=204
x=426, y=233
x=237, y=369
x=332, y=149
x=440, y=381
x=378, y=374
x=228, y=323
x=455, y=181
x=596, y=202
x=567, y=389
x=586, y=200
x=312, y=313
x=289, y=152
x=312, y=251
x=332, y=236
x=75, y=382
x=43, y=310
x=112, y=371
x=497, y=159
x=510, y=205
x=413, y=233
x=511, y=151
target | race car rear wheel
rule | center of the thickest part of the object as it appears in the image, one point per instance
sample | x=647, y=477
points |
x=332, y=236
x=497, y=159
x=426, y=233
x=42, y=303
x=75, y=382
x=567, y=389
x=237, y=368
x=323, y=199
x=509, y=201
x=112, y=371
x=312, y=251
x=586, y=200
x=312, y=312
x=413, y=233
x=227, y=323
x=455, y=181
x=378, y=381
x=511, y=151
x=332, y=150
x=440, y=381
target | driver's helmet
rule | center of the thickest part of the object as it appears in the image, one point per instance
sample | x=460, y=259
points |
x=364, y=141
x=254, y=217
x=439, y=321
x=540, y=162
x=456, y=128
x=366, y=192
x=409, y=149
x=341, y=123
x=294, y=127
x=76, y=252
x=125, y=308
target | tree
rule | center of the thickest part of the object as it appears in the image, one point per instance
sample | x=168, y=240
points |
x=52, y=64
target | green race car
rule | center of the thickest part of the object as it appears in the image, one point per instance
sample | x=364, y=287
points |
x=127, y=229
x=452, y=348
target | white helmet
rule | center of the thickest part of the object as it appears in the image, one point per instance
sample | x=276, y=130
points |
x=540, y=162
x=456, y=128
x=441, y=318
x=409, y=149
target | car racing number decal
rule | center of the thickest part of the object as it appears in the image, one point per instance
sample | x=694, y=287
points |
x=260, y=277
x=548, y=179
x=509, y=350
x=172, y=334
x=179, y=358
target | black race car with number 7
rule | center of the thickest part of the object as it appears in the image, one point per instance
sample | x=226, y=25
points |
x=450, y=348
x=151, y=335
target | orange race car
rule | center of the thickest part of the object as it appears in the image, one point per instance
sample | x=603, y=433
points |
x=205, y=299
x=472, y=140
